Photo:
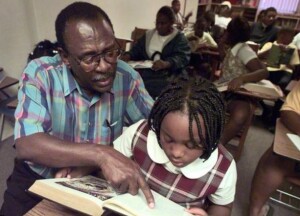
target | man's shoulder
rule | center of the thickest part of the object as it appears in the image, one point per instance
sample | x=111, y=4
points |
x=44, y=65
x=126, y=72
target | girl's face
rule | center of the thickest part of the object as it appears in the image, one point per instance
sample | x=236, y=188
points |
x=175, y=139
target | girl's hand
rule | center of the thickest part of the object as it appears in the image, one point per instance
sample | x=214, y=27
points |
x=197, y=211
x=235, y=84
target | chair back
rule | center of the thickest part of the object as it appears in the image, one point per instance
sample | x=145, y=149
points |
x=137, y=33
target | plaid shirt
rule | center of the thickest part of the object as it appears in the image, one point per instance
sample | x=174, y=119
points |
x=176, y=187
x=51, y=101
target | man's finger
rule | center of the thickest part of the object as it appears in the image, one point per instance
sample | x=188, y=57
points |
x=147, y=192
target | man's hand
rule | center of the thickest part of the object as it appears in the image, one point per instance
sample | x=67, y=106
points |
x=123, y=174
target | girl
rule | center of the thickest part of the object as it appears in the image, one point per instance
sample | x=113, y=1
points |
x=178, y=148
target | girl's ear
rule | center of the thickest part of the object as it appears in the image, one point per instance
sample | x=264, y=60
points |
x=64, y=56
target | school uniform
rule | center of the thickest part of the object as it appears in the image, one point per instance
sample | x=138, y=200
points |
x=213, y=179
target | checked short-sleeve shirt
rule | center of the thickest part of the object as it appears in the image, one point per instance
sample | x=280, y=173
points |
x=51, y=101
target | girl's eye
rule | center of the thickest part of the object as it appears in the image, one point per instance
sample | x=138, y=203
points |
x=190, y=145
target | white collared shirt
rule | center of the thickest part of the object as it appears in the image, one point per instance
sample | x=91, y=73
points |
x=198, y=168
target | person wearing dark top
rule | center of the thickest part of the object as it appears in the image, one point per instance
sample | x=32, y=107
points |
x=265, y=30
x=166, y=46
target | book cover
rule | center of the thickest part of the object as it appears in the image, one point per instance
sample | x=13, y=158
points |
x=278, y=56
x=91, y=195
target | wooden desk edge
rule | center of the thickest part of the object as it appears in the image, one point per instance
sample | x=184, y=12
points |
x=282, y=144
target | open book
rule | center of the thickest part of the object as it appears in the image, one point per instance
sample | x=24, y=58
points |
x=278, y=56
x=91, y=195
x=141, y=64
x=263, y=89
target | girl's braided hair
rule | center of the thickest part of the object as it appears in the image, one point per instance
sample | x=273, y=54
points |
x=194, y=96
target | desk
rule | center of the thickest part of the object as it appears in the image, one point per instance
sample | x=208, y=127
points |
x=49, y=208
x=282, y=144
x=7, y=82
x=13, y=104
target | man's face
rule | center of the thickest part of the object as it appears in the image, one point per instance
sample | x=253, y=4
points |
x=269, y=18
x=176, y=6
x=85, y=38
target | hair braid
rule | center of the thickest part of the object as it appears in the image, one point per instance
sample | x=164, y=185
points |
x=199, y=98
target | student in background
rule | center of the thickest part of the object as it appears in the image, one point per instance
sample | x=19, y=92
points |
x=178, y=149
x=223, y=17
x=273, y=169
x=199, y=38
x=240, y=65
x=282, y=74
x=209, y=16
x=180, y=20
x=43, y=48
x=166, y=46
x=296, y=41
x=265, y=30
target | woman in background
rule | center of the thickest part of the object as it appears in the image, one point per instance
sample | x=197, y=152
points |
x=240, y=65
x=166, y=46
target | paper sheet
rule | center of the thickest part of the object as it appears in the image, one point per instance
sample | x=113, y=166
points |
x=295, y=140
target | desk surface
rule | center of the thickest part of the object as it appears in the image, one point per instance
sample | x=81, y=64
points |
x=282, y=144
x=49, y=208
x=8, y=81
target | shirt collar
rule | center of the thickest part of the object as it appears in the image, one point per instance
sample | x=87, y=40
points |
x=194, y=170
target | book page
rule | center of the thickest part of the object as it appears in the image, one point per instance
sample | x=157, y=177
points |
x=295, y=140
x=264, y=87
x=91, y=185
x=137, y=205
x=141, y=64
x=84, y=194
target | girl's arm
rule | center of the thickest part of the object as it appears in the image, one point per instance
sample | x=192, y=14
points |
x=258, y=71
x=213, y=210
x=220, y=210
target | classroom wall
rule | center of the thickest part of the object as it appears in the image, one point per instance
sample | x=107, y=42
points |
x=17, y=34
x=25, y=23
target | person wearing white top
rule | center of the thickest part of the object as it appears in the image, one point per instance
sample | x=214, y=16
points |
x=296, y=41
x=179, y=145
x=223, y=18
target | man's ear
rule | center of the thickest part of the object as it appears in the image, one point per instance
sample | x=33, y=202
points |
x=64, y=56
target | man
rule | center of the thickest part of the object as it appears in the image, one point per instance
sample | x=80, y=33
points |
x=73, y=101
x=180, y=20
x=265, y=30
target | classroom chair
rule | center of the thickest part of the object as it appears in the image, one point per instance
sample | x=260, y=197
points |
x=137, y=33
x=123, y=43
x=236, y=145
x=6, y=112
x=288, y=194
